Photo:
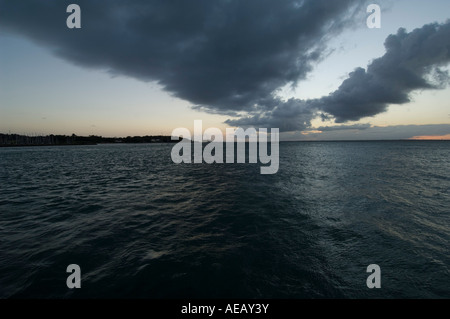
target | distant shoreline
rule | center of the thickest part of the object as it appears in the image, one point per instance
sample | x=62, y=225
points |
x=46, y=145
x=173, y=142
x=15, y=140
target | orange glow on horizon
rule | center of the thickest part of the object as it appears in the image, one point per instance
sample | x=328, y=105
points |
x=311, y=132
x=431, y=138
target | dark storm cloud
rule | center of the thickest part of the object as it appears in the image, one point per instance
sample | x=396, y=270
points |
x=223, y=56
x=232, y=56
x=291, y=115
x=412, y=62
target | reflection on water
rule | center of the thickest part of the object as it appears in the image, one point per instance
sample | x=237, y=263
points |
x=142, y=227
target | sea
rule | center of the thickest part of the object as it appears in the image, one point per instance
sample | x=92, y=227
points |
x=140, y=226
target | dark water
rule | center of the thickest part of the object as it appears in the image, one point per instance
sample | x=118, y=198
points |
x=140, y=226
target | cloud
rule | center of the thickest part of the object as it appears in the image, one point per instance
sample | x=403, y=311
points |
x=232, y=56
x=413, y=61
x=359, y=127
x=291, y=115
x=223, y=56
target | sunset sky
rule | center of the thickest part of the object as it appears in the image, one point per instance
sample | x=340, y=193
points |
x=311, y=68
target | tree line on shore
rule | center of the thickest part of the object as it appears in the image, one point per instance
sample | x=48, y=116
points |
x=28, y=140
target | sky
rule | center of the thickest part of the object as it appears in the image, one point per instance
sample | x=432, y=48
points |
x=311, y=68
